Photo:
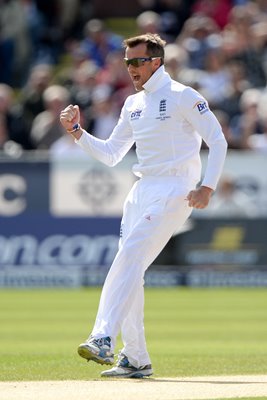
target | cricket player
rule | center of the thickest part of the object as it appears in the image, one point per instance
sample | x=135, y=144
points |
x=167, y=122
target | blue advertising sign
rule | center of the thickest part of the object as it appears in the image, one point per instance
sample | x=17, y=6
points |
x=41, y=245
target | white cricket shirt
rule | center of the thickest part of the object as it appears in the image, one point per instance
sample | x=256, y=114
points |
x=167, y=122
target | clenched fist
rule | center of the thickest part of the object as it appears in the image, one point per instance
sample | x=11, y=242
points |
x=69, y=118
x=200, y=197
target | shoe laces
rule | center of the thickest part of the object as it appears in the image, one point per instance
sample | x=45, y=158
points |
x=104, y=341
x=123, y=360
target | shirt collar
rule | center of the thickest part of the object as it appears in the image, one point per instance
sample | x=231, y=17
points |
x=159, y=79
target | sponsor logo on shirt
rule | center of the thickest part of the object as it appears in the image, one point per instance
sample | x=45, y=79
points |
x=202, y=107
x=136, y=114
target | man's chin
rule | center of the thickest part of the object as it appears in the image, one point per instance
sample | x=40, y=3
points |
x=138, y=88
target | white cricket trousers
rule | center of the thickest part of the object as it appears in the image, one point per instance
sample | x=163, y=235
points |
x=155, y=208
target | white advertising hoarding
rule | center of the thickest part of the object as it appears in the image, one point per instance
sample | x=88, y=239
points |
x=86, y=187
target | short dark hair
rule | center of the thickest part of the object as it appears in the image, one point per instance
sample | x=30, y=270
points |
x=154, y=44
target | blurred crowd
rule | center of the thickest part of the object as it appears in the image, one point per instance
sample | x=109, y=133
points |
x=53, y=53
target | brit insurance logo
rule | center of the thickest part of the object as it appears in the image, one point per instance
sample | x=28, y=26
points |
x=136, y=114
x=163, y=110
x=202, y=107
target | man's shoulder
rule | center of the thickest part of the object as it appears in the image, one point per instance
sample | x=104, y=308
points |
x=184, y=92
x=133, y=97
x=178, y=86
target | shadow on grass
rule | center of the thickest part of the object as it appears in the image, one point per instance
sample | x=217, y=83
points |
x=180, y=380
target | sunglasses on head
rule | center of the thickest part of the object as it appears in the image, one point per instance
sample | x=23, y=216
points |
x=138, y=61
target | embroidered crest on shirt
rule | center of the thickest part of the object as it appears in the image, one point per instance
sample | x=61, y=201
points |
x=202, y=107
x=121, y=230
x=162, y=110
x=162, y=105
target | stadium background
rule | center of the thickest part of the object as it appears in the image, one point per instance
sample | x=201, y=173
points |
x=60, y=210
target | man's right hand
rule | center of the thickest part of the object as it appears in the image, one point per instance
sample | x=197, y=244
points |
x=69, y=117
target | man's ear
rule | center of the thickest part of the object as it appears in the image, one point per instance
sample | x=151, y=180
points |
x=157, y=63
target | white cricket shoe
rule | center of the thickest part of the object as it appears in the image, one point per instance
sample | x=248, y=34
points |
x=98, y=350
x=124, y=369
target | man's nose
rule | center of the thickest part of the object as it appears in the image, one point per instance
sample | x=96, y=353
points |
x=131, y=68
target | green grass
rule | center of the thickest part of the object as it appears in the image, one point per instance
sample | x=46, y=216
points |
x=189, y=332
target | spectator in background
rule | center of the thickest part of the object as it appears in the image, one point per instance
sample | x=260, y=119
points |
x=259, y=33
x=176, y=60
x=84, y=81
x=116, y=76
x=177, y=65
x=98, y=42
x=215, y=78
x=35, y=27
x=262, y=6
x=31, y=96
x=241, y=42
x=68, y=15
x=104, y=112
x=46, y=128
x=6, y=55
x=248, y=123
x=163, y=22
x=13, y=127
x=230, y=201
x=238, y=83
x=258, y=140
x=5, y=103
x=76, y=58
x=199, y=34
x=218, y=10
x=16, y=41
x=148, y=21
x=65, y=148
x=172, y=13
x=50, y=41
x=224, y=121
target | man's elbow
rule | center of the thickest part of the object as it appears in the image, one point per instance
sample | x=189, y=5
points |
x=221, y=142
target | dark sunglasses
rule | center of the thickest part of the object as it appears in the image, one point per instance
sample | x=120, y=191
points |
x=138, y=61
